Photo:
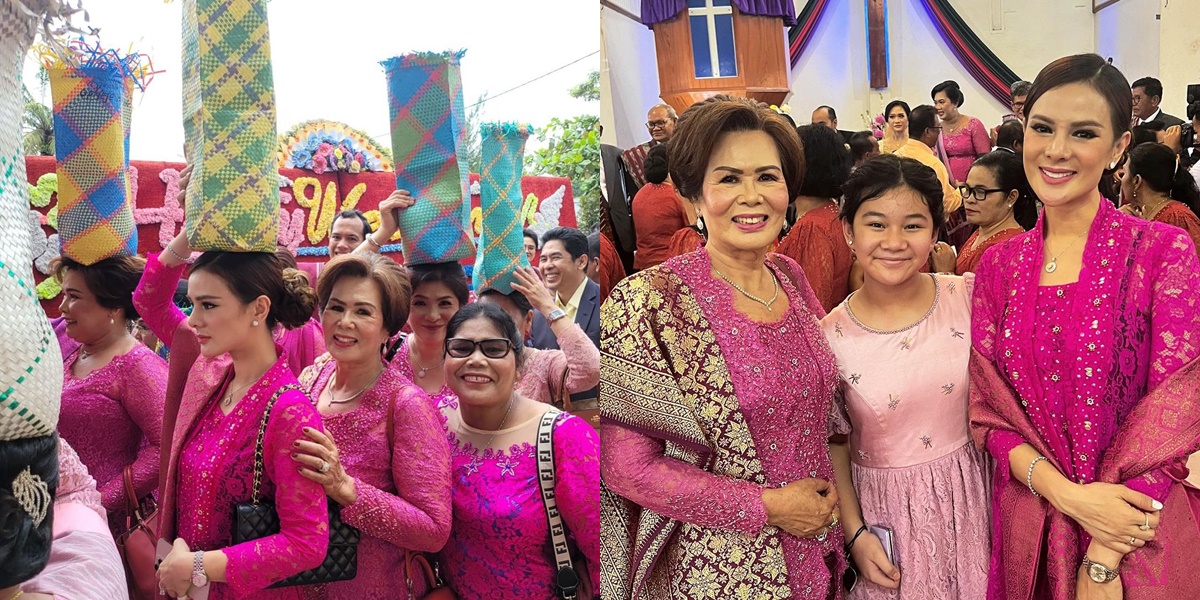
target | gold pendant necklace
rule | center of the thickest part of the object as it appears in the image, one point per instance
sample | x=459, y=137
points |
x=1053, y=266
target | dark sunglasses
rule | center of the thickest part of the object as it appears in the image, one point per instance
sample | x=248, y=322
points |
x=492, y=348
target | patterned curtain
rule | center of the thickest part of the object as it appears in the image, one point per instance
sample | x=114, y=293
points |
x=657, y=11
x=985, y=67
x=801, y=33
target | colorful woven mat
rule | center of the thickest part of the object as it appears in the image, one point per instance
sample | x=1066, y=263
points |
x=30, y=360
x=430, y=153
x=501, y=241
x=91, y=134
x=229, y=126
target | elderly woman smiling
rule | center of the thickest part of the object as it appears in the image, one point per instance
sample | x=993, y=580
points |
x=716, y=483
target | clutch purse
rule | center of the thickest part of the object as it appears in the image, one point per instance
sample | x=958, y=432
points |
x=258, y=519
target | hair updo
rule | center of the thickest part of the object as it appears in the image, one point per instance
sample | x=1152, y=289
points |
x=25, y=547
x=111, y=280
x=252, y=274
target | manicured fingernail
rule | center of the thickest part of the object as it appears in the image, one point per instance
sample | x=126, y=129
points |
x=1157, y=505
x=295, y=444
x=294, y=455
x=307, y=430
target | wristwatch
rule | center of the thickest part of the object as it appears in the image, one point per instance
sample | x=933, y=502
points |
x=199, y=578
x=1098, y=572
x=556, y=314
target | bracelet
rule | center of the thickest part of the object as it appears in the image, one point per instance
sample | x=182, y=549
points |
x=371, y=238
x=186, y=261
x=850, y=544
x=1029, y=475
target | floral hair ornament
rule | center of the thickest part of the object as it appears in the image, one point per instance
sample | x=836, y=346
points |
x=33, y=495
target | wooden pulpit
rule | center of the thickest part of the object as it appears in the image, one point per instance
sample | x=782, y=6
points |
x=712, y=48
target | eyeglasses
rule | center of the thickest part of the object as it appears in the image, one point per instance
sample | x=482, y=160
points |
x=492, y=348
x=979, y=193
x=657, y=124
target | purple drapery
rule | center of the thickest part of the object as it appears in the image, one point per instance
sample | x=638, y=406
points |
x=657, y=11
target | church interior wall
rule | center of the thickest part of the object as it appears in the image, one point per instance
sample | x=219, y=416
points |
x=1179, y=53
x=1128, y=32
x=628, y=75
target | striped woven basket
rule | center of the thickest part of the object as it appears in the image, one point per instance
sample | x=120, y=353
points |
x=501, y=240
x=31, y=368
x=429, y=148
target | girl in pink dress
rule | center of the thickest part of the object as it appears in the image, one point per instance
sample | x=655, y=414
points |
x=113, y=385
x=388, y=463
x=548, y=375
x=439, y=290
x=909, y=464
x=1084, y=370
x=500, y=544
x=229, y=369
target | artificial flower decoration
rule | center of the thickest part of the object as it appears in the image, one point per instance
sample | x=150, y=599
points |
x=321, y=146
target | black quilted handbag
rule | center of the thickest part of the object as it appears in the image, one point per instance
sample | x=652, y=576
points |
x=258, y=519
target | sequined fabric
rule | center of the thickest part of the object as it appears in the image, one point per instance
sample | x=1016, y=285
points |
x=914, y=467
x=499, y=544
x=113, y=418
x=1081, y=358
x=403, y=484
x=779, y=379
x=578, y=359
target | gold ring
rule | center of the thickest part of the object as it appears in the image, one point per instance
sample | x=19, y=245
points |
x=1146, y=525
x=1132, y=541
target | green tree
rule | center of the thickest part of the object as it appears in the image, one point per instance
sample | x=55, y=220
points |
x=589, y=89
x=573, y=150
x=38, y=127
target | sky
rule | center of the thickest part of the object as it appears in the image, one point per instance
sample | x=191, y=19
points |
x=325, y=57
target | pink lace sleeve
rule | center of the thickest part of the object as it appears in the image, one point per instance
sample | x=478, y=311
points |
x=839, y=417
x=1175, y=330
x=984, y=308
x=303, y=513
x=580, y=358
x=418, y=515
x=633, y=465
x=143, y=392
x=980, y=142
x=75, y=484
x=154, y=296
x=577, y=486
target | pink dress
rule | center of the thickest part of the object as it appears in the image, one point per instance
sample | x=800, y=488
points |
x=499, y=545
x=402, y=364
x=303, y=345
x=1081, y=356
x=84, y=564
x=113, y=417
x=915, y=468
x=784, y=376
x=964, y=146
x=578, y=360
x=211, y=463
x=403, y=482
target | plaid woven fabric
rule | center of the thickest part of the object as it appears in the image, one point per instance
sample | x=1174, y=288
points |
x=501, y=241
x=30, y=361
x=91, y=135
x=229, y=125
x=429, y=148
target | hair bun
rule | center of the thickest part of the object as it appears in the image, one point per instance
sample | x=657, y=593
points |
x=299, y=301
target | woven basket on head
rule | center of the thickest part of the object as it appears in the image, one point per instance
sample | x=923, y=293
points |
x=502, y=238
x=30, y=363
x=425, y=100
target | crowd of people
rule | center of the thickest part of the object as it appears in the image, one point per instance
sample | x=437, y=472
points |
x=357, y=393
x=954, y=362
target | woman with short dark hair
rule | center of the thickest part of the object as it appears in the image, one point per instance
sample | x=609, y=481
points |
x=895, y=135
x=998, y=201
x=500, y=543
x=1160, y=189
x=716, y=383
x=658, y=212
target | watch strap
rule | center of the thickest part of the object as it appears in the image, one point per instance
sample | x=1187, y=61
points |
x=555, y=315
x=1109, y=574
x=198, y=573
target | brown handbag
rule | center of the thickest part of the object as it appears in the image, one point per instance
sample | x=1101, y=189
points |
x=416, y=564
x=562, y=399
x=136, y=544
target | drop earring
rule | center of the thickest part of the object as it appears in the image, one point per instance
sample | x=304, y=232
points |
x=700, y=223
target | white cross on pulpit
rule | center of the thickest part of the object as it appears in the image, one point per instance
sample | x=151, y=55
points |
x=710, y=10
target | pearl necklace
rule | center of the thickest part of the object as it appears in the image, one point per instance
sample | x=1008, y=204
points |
x=766, y=303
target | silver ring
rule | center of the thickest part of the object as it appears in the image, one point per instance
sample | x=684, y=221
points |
x=834, y=523
x=824, y=534
x=1146, y=526
x=1132, y=541
x=324, y=467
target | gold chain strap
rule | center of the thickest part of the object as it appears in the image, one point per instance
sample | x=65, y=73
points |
x=258, y=445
